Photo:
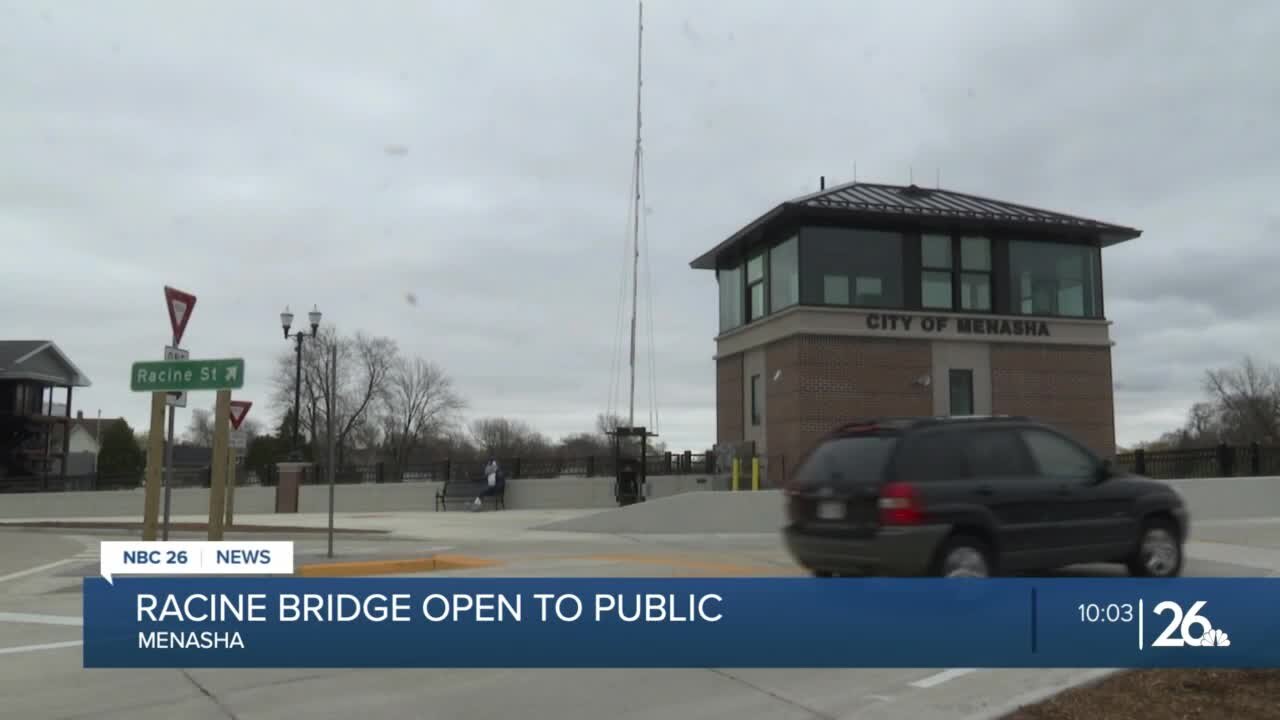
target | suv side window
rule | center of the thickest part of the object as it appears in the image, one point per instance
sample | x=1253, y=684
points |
x=1055, y=456
x=996, y=453
x=933, y=457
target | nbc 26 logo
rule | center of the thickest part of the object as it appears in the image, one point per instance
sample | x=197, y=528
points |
x=1192, y=628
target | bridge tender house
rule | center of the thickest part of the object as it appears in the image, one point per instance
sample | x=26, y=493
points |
x=866, y=299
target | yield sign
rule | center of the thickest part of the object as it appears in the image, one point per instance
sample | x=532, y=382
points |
x=180, y=306
x=239, y=409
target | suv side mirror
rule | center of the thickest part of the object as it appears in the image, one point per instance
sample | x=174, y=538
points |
x=1105, y=472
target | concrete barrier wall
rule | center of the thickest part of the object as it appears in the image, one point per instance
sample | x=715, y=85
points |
x=1233, y=497
x=542, y=493
x=1207, y=498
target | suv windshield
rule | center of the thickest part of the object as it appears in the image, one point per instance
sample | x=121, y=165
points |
x=847, y=461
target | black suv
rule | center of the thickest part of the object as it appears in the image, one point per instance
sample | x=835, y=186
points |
x=974, y=497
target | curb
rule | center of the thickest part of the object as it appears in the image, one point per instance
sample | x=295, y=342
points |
x=1018, y=702
x=131, y=526
x=390, y=567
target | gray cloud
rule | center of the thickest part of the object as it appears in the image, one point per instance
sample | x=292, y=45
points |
x=241, y=151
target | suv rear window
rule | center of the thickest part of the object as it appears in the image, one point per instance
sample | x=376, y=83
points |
x=847, y=461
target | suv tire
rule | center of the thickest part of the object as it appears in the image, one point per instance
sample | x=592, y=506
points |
x=1158, y=553
x=964, y=556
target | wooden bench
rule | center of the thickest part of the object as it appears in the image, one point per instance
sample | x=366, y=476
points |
x=466, y=491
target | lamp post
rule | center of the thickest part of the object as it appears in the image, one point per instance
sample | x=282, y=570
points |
x=286, y=321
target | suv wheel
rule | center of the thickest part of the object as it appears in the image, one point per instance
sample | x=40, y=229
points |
x=1159, y=552
x=963, y=557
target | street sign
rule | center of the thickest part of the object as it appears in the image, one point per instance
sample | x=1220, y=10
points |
x=176, y=399
x=180, y=305
x=239, y=410
x=187, y=375
x=239, y=439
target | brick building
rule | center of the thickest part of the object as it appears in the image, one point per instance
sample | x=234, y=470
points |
x=866, y=299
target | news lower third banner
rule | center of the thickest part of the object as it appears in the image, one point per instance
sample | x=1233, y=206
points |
x=291, y=622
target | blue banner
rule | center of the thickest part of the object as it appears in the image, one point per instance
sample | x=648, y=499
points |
x=680, y=623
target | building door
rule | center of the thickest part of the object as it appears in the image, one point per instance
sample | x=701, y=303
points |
x=960, y=387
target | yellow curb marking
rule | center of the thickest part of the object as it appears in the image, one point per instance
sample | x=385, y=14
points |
x=390, y=567
x=676, y=561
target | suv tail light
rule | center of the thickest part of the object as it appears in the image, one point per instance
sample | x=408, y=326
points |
x=899, y=505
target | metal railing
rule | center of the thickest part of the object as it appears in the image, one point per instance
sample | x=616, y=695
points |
x=1221, y=460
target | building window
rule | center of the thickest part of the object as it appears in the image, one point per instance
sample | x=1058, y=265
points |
x=943, y=285
x=784, y=275
x=1055, y=279
x=730, y=298
x=755, y=399
x=936, y=270
x=843, y=266
x=756, y=287
x=961, y=388
x=975, y=274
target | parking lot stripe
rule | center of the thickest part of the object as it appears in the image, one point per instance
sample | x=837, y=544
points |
x=944, y=676
x=36, y=569
x=33, y=648
x=37, y=619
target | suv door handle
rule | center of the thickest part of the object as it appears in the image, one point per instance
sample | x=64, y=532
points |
x=984, y=490
x=1064, y=489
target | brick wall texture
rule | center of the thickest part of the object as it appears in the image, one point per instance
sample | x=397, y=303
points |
x=1069, y=387
x=826, y=380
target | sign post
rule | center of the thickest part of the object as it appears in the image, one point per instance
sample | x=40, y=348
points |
x=174, y=401
x=179, y=304
x=239, y=410
x=162, y=377
x=159, y=452
x=155, y=461
x=218, y=473
x=333, y=383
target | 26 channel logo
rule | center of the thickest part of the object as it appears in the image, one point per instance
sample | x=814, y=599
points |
x=1185, y=627
x=1188, y=628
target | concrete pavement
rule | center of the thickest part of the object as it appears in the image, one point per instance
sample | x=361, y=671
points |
x=41, y=675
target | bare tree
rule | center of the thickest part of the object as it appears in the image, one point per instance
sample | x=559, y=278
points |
x=504, y=437
x=420, y=402
x=606, y=424
x=363, y=366
x=1247, y=401
x=367, y=438
x=200, y=428
x=251, y=428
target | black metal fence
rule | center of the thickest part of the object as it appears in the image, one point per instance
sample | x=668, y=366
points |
x=1220, y=461
x=686, y=463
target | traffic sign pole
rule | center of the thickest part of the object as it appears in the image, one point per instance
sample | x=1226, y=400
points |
x=172, y=352
x=218, y=473
x=229, y=517
x=168, y=470
x=179, y=304
x=155, y=459
x=237, y=411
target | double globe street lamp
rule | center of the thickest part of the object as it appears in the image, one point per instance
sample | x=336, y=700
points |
x=286, y=320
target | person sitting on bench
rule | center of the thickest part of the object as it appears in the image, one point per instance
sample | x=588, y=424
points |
x=493, y=477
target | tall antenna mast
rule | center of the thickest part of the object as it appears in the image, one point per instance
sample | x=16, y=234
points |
x=635, y=268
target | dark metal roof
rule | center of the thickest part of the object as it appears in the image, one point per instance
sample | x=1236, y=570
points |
x=11, y=350
x=874, y=200
x=39, y=360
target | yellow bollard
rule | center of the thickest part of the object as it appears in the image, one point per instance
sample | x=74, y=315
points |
x=755, y=473
x=737, y=464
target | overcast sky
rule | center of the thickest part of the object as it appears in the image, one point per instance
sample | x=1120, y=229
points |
x=478, y=155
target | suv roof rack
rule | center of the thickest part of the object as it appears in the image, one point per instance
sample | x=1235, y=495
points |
x=907, y=422
x=975, y=418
